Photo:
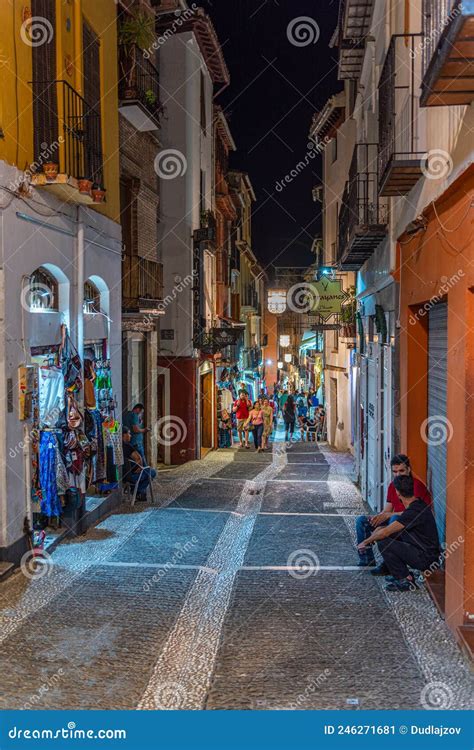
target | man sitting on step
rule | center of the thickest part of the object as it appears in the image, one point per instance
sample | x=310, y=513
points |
x=365, y=525
x=410, y=540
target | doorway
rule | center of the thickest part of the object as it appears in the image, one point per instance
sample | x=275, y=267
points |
x=206, y=413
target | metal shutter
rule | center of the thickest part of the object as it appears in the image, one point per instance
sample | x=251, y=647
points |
x=438, y=426
x=45, y=103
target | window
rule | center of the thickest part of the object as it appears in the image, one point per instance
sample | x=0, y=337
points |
x=203, y=104
x=91, y=298
x=42, y=291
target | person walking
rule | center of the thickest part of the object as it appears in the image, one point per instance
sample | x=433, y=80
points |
x=282, y=400
x=289, y=416
x=268, y=414
x=241, y=410
x=255, y=424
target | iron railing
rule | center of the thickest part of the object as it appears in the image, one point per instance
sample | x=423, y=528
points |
x=78, y=129
x=361, y=205
x=399, y=108
x=437, y=14
x=142, y=280
x=139, y=79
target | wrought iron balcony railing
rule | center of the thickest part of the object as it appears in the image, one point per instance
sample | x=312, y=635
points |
x=75, y=124
x=447, y=53
x=363, y=215
x=142, y=283
x=139, y=88
x=401, y=143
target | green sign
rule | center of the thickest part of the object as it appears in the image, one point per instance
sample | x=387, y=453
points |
x=329, y=296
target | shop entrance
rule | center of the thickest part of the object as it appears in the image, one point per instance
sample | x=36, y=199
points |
x=438, y=425
x=206, y=413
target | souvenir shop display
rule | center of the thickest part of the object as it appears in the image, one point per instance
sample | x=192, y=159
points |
x=73, y=428
x=227, y=393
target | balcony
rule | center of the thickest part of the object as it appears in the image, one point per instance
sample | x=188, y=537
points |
x=249, y=301
x=139, y=89
x=363, y=216
x=448, y=53
x=400, y=146
x=354, y=24
x=142, y=286
x=73, y=169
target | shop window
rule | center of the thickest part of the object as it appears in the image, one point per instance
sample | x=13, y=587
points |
x=91, y=298
x=42, y=291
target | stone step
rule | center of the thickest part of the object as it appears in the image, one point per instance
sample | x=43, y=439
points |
x=6, y=568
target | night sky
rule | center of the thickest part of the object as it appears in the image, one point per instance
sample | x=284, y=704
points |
x=275, y=89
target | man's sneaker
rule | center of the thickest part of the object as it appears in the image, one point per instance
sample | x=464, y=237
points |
x=380, y=570
x=402, y=584
x=365, y=564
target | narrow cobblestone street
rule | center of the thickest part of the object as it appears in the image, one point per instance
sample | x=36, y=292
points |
x=202, y=602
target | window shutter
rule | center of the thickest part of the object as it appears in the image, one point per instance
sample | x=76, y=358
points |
x=92, y=96
x=45, y=102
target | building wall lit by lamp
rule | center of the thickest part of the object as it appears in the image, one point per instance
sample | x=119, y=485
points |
x=269, y=362
x=280, y=365
x=288, y=357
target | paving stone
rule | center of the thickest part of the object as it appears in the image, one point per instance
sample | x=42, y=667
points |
x=281, y=634
x=288, y=497
x=278, y=539
x=103, y=636
x=210, y=495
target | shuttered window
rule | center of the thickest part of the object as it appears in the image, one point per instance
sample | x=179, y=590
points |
x=45, y=103
x=92, y=96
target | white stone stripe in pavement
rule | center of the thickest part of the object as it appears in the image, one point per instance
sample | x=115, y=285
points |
x=303, y=568
x=182, y=674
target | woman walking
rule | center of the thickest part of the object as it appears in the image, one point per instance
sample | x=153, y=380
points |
x=289, y=416
x=255, y=423
x=268, y=413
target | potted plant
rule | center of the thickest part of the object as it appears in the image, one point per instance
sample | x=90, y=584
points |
x=85, y=185
x=348, y=314
x=98, y=193
x=50, y=169
x=137, y=32
x=150, y=97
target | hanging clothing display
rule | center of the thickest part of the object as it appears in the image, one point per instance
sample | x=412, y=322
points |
x=50, y=502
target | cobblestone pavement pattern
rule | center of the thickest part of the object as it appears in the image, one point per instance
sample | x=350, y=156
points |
x=239, y=591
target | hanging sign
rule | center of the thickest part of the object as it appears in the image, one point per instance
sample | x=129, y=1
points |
x=328, y=296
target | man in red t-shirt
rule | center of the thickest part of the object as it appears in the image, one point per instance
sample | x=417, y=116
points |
x=241, y=410
x=365, y=525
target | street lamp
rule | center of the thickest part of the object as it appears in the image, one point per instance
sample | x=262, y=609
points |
x=280, y=365
x=288, y=357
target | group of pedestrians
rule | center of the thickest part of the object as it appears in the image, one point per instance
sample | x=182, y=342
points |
x=302, y=410
x=257, y=418
x=405, y=531
x=260, y=417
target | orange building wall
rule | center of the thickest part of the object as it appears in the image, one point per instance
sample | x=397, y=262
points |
x=429, y=260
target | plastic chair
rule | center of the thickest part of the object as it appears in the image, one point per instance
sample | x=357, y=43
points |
x=129, y=485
